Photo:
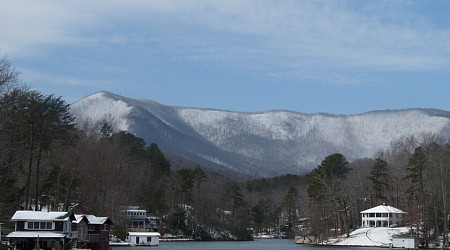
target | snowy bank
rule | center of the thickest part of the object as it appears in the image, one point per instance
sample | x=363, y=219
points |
x=369, y=236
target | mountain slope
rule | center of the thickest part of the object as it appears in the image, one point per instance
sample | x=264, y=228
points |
x=264, y=143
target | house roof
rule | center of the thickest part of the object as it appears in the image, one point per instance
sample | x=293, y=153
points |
x=79, y=218
x=34, y=234
x=92, y=219
x=41, y=216
x=383, y=209
x=143, y=234
x=96, y=220
x=135, y=210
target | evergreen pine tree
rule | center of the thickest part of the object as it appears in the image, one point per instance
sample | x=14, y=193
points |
x=379, y=177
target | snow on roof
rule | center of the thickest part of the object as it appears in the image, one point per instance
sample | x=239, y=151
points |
x=96, y=220
x=40, y=216
x=78, y=218
x=92, y=219
x=136, y=210
x=34, y=234
x=144, y=234
x=383, y=209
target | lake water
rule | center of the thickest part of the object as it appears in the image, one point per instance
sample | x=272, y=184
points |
x=258, y=244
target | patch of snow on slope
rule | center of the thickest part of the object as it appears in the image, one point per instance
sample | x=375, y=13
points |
x=369, y=132
x=218, y=161
x=214, y=125
x=367, y=236
x=218, y=125
x=99, y=107
x=294, y=140
x=377, y=130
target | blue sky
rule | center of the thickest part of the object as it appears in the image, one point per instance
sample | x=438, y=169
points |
x=341, y=57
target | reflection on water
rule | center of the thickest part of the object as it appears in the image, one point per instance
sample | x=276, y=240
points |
x=259, y=244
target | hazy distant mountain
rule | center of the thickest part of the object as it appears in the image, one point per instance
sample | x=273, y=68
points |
x=264, y=143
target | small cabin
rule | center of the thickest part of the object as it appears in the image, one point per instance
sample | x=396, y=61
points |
x=382, y=216
x=143, y=238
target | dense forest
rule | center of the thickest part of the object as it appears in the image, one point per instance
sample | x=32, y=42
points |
x=47, y=160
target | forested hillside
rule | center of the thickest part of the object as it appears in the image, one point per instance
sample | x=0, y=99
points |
x=259, y=144
x=46, y=161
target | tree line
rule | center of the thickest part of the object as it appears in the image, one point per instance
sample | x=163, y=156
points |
x=45, y=160
x=412, y=175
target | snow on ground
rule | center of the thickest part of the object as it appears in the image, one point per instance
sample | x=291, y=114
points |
x=378, y=236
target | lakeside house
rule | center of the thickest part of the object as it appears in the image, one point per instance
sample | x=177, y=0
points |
x=136, y=218
x=59, y=230
x=140, y=220
x=43, y=229
x=93, y=231
x=382, y=216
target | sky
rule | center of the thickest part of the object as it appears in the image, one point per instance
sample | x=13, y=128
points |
x=339, y=57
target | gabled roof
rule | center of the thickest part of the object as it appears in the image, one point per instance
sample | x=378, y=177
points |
x=79, y=218
x=42, y=216
x=97, y=220
x=92, y=219
x=383, y=209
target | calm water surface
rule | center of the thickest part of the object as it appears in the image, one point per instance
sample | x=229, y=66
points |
x=258, y=244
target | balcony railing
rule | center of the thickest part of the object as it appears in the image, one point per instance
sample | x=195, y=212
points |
x=72, y=235
x=89, y=237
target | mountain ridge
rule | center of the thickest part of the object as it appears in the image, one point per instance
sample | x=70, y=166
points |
x=263, y=143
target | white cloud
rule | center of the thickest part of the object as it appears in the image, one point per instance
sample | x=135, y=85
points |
x=311, y=34
x=53, y=81
x=300, y=37
x=29, y=26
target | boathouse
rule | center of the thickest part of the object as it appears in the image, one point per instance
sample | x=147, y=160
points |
x=409, y=242
x=143, y=238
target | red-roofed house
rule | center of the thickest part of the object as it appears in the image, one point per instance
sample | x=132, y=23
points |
x=382, y=216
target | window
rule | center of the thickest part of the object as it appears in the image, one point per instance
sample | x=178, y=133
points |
x=91, y=227
x=46, y=225
x=36, y=225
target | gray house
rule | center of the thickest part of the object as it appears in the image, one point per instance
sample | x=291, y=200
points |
x=43, y=229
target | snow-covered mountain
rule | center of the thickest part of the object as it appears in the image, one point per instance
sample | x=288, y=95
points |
x=263, y=143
